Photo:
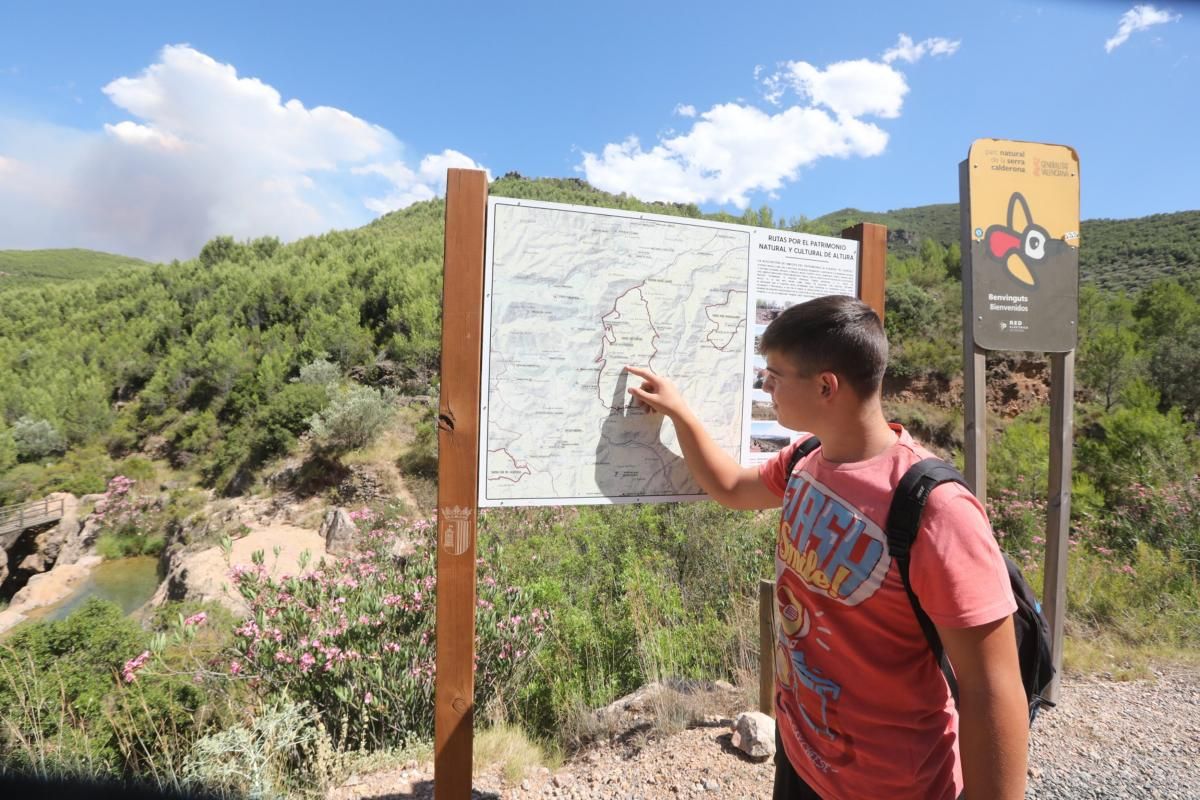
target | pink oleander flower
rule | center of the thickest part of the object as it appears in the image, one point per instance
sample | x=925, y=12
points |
x=235, y=667
x=196, y=619
x=129, y=672
x=368, y=698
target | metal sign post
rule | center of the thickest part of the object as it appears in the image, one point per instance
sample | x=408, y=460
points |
x=1019, y=206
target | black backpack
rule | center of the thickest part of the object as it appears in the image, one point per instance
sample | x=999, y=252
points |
x=903, y=522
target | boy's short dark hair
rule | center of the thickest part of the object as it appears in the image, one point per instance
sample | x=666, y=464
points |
x=838, y=334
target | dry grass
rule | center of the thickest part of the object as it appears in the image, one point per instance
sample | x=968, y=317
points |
x=1105, y=654
x=507, y=747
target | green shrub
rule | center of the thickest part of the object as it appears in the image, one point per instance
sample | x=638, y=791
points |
x=125, y=545
x=81, y=471
x=130, y=524
x=1020, y=458
x=420, y=457
x=36, y=438
x=639, y=593
x=55, y=681
x=1145, y=597
x=353, y=419
x=320, y=372
x=137, y=468
x=8, y=448
x=21, y=483
x=1165, y=517
x=1138, y=444
x=256, y=758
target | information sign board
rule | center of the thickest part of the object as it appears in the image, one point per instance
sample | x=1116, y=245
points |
x=1024, y=245
x=574, y=294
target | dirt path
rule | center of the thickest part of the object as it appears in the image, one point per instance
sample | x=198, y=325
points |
x=1106, y=739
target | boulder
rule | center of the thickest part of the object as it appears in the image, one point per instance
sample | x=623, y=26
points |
x=754, y=734
x=77, y=539
x=34, y=562
x=203, y=573
x=339, y=531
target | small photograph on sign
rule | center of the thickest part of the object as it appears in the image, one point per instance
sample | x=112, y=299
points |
x=767, y=309
x=769, y=437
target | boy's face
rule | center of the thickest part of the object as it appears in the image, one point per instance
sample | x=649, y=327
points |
x=794, y=394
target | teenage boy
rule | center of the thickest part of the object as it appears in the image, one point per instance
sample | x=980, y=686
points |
x=862, y=707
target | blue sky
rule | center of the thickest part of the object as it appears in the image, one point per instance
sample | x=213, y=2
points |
x=149, y=128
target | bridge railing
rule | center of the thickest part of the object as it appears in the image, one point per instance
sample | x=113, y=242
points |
x=26, y=515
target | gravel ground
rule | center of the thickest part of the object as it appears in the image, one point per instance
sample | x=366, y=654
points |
x=1106, y=739
x=1119, y=740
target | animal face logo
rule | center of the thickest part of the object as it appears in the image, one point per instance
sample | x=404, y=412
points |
x=1022, y=245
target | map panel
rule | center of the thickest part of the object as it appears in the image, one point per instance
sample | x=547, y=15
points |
x=572, y=296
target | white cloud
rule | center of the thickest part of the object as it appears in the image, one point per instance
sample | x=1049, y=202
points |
x=731, y=151
x=736, y=149
x=685, y=110
x=1138, y=18
x=206, y=153
x=409, y=186
x=132, y=133
x=849, y=88
x=912, y=52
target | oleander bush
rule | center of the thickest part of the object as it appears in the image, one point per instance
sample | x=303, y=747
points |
x=354, y=637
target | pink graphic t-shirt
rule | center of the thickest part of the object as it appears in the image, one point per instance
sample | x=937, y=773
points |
x=862, y=707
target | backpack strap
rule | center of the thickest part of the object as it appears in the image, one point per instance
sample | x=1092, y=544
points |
x=803, y=449
x=903, y=522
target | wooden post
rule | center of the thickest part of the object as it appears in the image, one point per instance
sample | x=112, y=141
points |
x=1058, y=507
x=872, y=262
x=975, y=416
x=766, y=647
x=458, y=468
x=974, y=357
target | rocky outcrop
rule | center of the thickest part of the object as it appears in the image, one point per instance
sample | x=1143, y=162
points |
x=203, y=573
x=338, y=531
x=33, y=552
x=46, y=588
x=75, y=538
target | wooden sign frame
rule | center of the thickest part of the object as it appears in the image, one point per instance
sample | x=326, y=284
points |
x=458, y=460
x=1062, y=393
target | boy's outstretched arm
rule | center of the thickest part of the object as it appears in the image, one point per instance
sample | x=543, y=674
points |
x=725, y=480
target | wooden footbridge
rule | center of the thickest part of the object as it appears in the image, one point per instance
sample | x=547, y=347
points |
x=15, y=519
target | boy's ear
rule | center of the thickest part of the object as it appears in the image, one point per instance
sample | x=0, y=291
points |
x=829, y=384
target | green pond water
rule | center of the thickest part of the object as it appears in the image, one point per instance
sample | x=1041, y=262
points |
x=128, y=582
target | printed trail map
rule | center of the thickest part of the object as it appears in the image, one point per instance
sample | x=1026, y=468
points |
x=571, y=296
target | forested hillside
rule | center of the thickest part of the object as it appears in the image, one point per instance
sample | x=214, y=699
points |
x=203, y=358
x=1125, y=254
x=204, y=355
x=25, y=268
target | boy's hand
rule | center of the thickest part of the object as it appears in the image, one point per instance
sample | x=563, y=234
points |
x=657, y=393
